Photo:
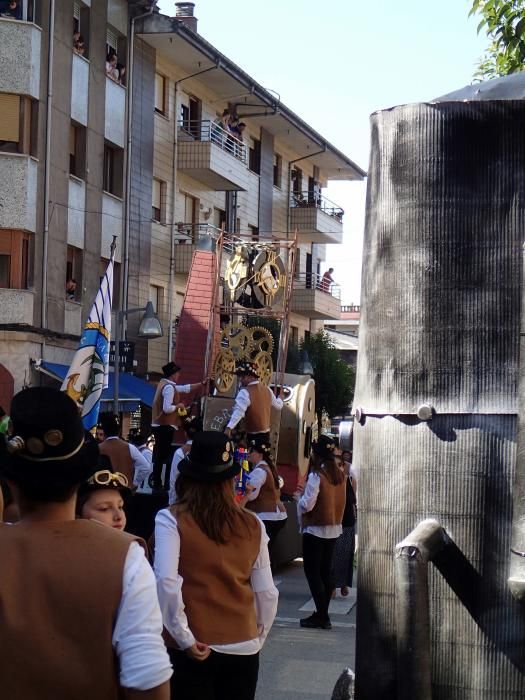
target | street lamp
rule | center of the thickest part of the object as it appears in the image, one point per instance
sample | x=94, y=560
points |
x=150, y=328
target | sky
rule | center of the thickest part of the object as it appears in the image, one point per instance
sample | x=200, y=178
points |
x=336, y=62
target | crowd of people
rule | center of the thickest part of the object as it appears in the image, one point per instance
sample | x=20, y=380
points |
x=183, y=611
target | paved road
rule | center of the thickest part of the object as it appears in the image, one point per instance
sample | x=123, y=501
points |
x=302, y=664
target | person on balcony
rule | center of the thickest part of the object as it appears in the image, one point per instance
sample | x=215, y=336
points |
x=220, y=128
x=12, y=11
x=111, y=66
x=327, y=280
x=71, y=289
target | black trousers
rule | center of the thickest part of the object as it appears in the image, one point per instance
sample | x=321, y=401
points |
x=220, y=677
x=273, y=527
x=162, y=454
x=317, y=563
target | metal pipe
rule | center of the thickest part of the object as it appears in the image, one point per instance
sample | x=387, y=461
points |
x=516, y=580
x=116, y=361
x=412, y=556
x=47, y=161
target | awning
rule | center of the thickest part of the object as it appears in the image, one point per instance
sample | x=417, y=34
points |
x=132, y=390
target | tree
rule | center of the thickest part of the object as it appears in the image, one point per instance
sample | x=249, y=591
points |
x=334, y=379
x=504, y=24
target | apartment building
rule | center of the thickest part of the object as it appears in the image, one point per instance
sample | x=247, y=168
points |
x=72, y=175
x=202, y=178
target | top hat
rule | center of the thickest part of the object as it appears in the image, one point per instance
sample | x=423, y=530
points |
x=49, y=444
x=191, y=425
x=210, y=458
x=170, y=369
x=247, y=369
x=109, y=423
x=325, y=446
x=260, y=445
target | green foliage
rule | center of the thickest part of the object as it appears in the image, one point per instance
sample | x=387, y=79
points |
x=334, y=379
x=504, y=23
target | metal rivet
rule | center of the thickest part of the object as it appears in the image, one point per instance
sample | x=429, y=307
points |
x=425, y=411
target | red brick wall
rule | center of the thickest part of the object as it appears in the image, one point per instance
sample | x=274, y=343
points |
x=192, y=333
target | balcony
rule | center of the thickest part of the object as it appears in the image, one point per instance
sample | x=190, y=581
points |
x=208, y=153
x=76, y=212
x=16, y=306
x=18, y=181
x=317, y=219
x=314, y=298
x=20, y=58
x=79, y=89
x=73, y=317
x=115, y=124
x=189, y=238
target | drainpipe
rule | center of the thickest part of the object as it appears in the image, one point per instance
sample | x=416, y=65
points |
x=516, y=581
x=47, y=161
x=171, y=282
x=412, y=556
x=129, y=120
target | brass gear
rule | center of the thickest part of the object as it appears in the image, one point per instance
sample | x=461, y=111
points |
x=224, y=370
x=264, y=363
x=262, y=340
x=238, y=339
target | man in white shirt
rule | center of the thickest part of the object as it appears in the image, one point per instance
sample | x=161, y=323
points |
x=253, y=402
x=166, y=418
x=191, y=427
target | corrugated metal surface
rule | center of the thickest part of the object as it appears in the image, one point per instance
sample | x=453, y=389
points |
x=440, y=324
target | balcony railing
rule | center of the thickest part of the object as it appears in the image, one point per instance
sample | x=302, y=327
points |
x=208, y=131
x=311, y=280
x=351, y=309
x=310, y=199
x=192, y=233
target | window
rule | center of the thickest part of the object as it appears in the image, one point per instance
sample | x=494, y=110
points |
x=254, y=162
x=77, y=150
x=158, y=202
x=116, y=44
x=113, y=170
x=74, y=272
x=277, y=170
x=190, y=209
x=116, y=280
x=254, y=231
x=160, y=94
x=18, y=125
x=14, y=259
x=219, y=217
x=155, y=296
x=185, y=116
x=294, y=335
x=297, y=181
x=80, y=29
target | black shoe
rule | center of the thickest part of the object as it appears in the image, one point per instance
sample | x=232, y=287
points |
x=326, y=624
x=311, y=622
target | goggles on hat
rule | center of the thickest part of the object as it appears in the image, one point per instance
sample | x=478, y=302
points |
x=106, y=478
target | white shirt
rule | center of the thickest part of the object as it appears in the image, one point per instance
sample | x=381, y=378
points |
x=148, y=456
x=169, y=589
x=140, y=463
x=168, y=392
x=256, y=479
x=174, y=473
x=242, y=402
x=137, y=636
x=306, y=504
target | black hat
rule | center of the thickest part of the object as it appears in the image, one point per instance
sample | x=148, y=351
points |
x=109, y=423
x=325, y=446
x=192, y=425
x=104, y=478
x=49, y=445
x=210, y=458
x=247, y=369
x=170, y=369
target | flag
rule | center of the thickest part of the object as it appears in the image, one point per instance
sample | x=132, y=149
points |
x=88, y=373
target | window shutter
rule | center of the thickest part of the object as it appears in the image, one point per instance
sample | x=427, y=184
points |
x=111, y=39
x=76, y=11
x=10, y=121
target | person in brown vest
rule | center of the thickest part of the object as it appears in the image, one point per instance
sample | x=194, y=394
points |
x=79, y=616
x=321, y=509
x=263, y=492
x=165, y=419
x=254, y=403
x=213, y=578
x=124, y=457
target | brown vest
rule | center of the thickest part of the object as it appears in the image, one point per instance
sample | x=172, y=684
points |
x=216, y=588
x=118, y=452
x=157, y=414
x=269, y=498
x=257, y=418
x=330, y=504
x=60, y=589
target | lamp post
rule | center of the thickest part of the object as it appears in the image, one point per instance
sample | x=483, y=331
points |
x=150, y=328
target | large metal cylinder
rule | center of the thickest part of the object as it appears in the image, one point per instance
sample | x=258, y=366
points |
x=440, y=323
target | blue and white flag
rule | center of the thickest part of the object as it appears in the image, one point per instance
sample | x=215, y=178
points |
x=88, y=374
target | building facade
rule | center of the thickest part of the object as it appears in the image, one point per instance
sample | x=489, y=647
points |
x=85, y=156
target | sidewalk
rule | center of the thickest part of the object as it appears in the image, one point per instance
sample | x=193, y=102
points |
x=302, y=664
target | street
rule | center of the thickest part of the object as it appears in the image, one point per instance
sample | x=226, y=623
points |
x=301, y=663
